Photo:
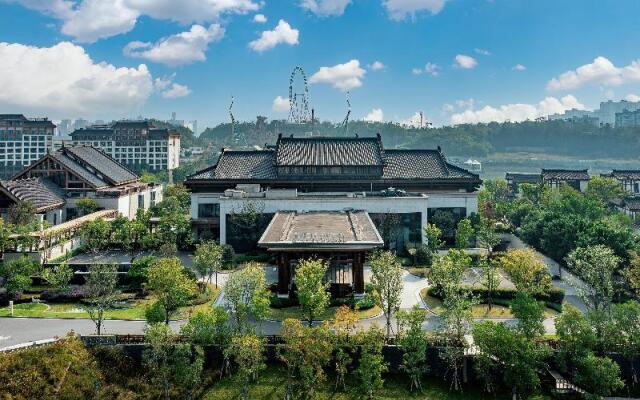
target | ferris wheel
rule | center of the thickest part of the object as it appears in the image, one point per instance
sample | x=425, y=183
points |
x=298, y=97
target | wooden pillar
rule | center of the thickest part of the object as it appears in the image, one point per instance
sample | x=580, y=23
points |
x=284, y=275
x=357, y=271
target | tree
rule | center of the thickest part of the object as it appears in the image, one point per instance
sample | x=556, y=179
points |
x=312, y=291
x=343, y=324
x=95, y=234
x=174, y=224
x=100, y=292
x=172, y=287
x=130, y=234
x=247, y=352
x=247, y=224
x=595, y=265
x=491, y=280
x=486, y=235
x=246, y=294
x=59, y=276
x=528, y=273
x=305, y=352
x=5, y=232
x=433, y=234
x=138, y=270
x=446, y=272
x=507, y=353
x=388, y=225
x=208, y=327
x=16, y=274
x=464, y=233
x=371, y=366
x=414, y=343
x=171, y=363
x=599, y=376
x=180, y=193
x=22, y=213
x=530, y=314
x=386, y=278
x=208, y=259
x=632, y=272
x=445, y=221
x=86, y=205
x=576, y=337
x=604, y=189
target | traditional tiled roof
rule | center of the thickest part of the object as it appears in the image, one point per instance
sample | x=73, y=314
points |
x=329, y=151
x=88, y=157
x=321, y=229
x=132, y=124
x=40, y=192
x=521, y=177
x=631, y=203
x=233, y=164
x=565, y=174
x=624, y=174
x=421, y=164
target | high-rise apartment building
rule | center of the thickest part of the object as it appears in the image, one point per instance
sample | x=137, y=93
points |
x=22, y=141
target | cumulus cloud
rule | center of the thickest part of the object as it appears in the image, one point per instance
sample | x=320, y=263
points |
x=376, y=115
x=377, y=66
x=601, y=72
x=417, y=71
x=518, y=111
x=417, y=120
x=519, y=67
x=176, y=90
x=63, y=80
x=465, y=62
x=325, y=8
x=282, y=33
x=281, y=105
x=345, y=76
x=90, y=20
x=259, y=18
x=179, y=49
x=429, y=68
x=482, y=52
x=632, y=97
x=401, y=9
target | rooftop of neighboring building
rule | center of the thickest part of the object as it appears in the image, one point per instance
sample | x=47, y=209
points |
x=109, y=129
x=565, y=174
x=624, y=174
x=523, y=177
x=41, y=192
x=20, y=119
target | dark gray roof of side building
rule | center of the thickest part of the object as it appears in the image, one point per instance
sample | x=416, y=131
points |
x=329, y=151
x=421, y=164
x=236, y=164
x=523, y=177
x=631, y=174
x=40, y=192
x=111, y=170
x=565, y=174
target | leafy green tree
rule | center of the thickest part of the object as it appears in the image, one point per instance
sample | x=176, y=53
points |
x=371, y=365
x=464, y=233
x=604, y=189
x=527, y=271
x=174, y=224
x=59, y=276
x=445, y=221
x=138, y=270
x=247, y=224
x=434, y=235
x=208, y=259
x=596, y=266
x=246, y=294
x=130, y=234
x=5, y=232
x=386, y=278
x=16, y=274
x=632, y=272
x=247, y=352
x=208, y=327
x=486, y=234
x=86, y=205
x=625, y=337
x=413, y=340
x=312, y=290
x=180, y=193
x=95, y=235
x=530, y=314
x=599, y=376
x=343, y=324
x=172, y=287
x=22, y=213
x=576, y=337
x=154, y=313
x=446, y=272
x=305, y=352
x=491, y=280
x=101, y=292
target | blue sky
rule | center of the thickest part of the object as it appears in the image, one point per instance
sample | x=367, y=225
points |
x=71, y=58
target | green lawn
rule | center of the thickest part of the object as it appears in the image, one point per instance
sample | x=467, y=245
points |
x=270, y=386
x=280, y=314
x=131, y=310
x=478, y=310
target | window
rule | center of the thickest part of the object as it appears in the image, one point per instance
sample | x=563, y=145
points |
x=636, y=187
x=141, y=201
x=208, y=210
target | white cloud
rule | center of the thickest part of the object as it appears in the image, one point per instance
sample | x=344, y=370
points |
x=601, y=71
x=176, y=90
x=63, y=80
x=431, y=68
x=632, y=97
x=465, y=103
x=465, y=62
x=416, y=71
x=342, y=76
x=91, y=20
x=376, y=115
x=282, y=33
x=281, y=105
x=448, y=108
x=377, y=66
x=187, y=11
x=519, y=67
x=259, y=18
x=401, y=9
x=416, y=120
x=518, y=111
x=179, y=49
x=482, y=52
x=325, y=8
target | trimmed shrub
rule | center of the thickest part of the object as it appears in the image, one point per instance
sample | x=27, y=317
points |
x=73, y=294
x=554, y=295
x=154, y=313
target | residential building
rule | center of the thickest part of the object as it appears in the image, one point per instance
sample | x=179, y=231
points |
x=609, y=109
x=22, y=141
x=136, y=144
x=628, y=119
x=515, y=179
x=629, y=179
x=576, y=178
x=83, y=171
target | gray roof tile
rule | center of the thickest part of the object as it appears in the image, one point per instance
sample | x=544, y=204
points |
x=112, y=171
x=327, y=151
x=40, y=192
x=565, y=174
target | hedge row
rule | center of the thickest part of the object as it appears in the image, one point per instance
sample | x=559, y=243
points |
x=553, y=295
